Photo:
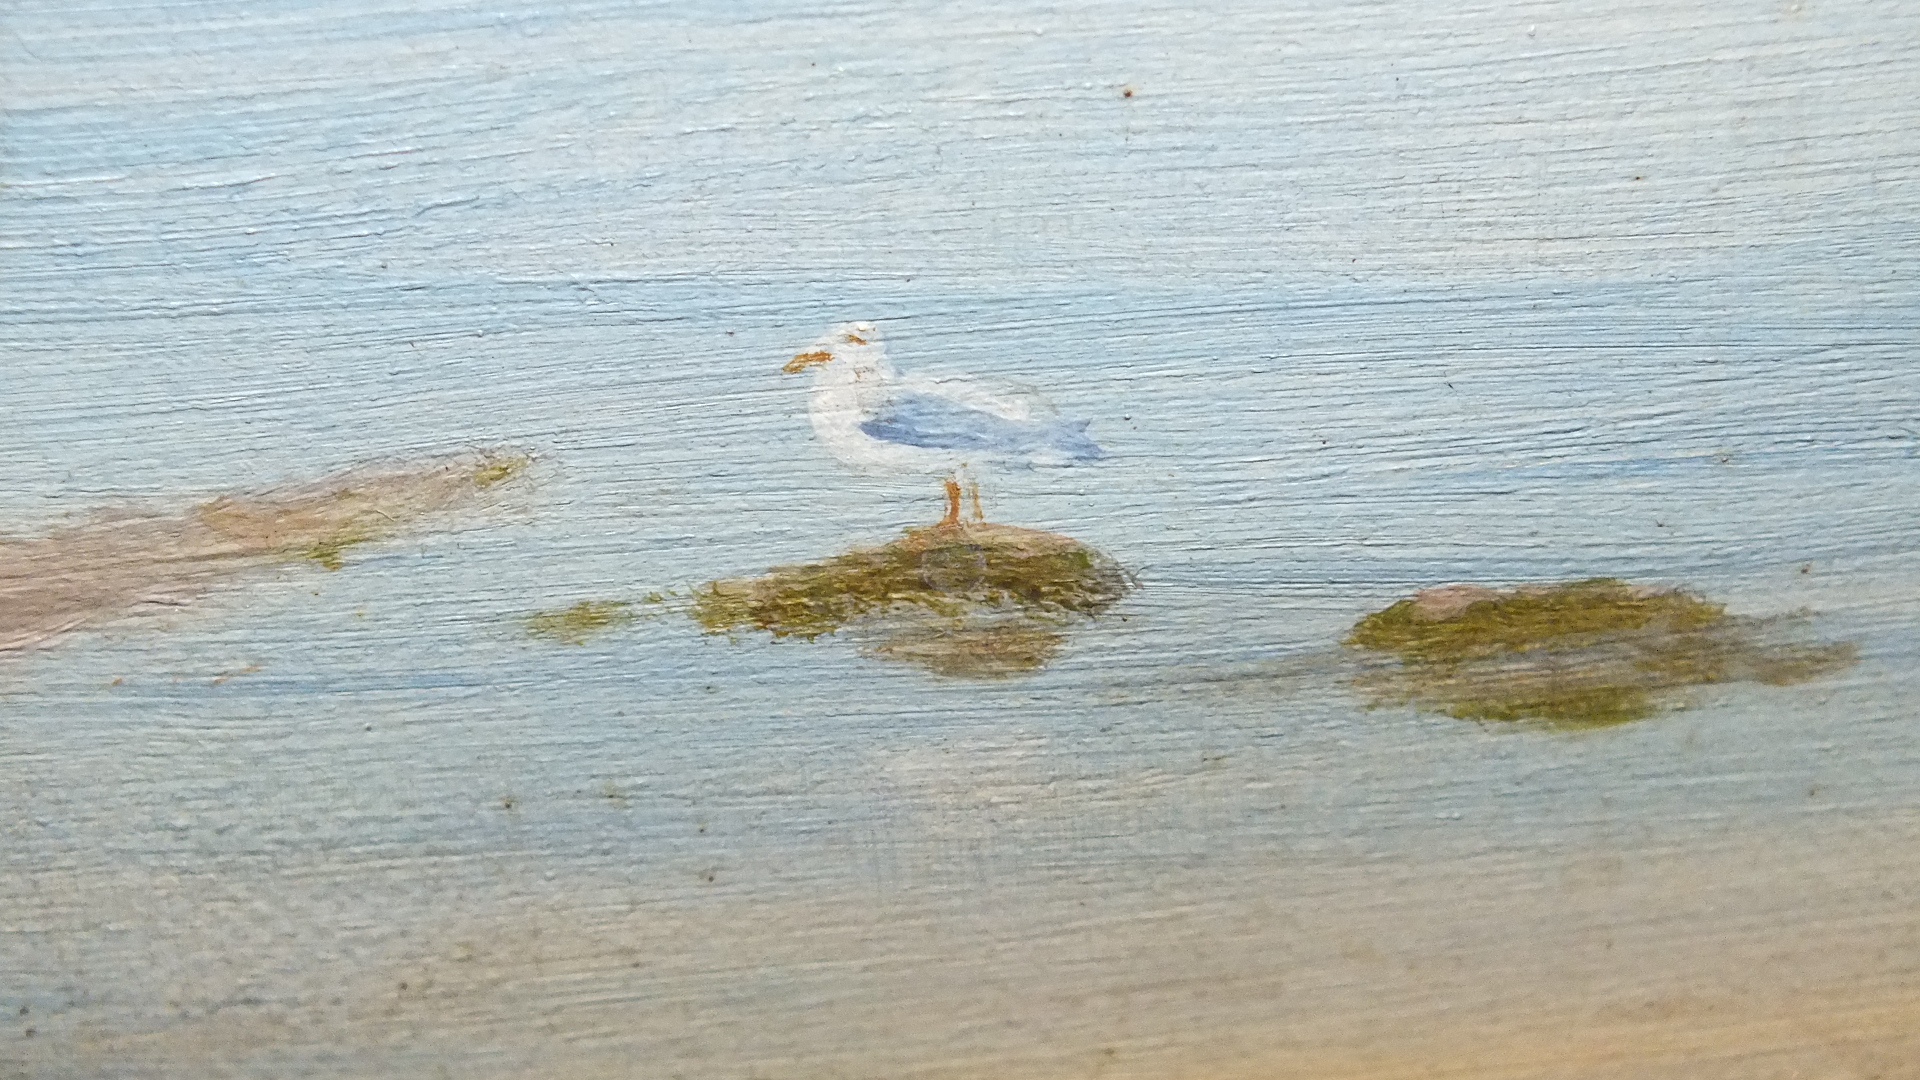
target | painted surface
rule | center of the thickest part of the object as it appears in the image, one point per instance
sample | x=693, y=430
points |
x=1360, y=300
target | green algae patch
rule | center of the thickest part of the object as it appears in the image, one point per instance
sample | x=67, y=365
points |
x=973, y=600
x=1584, y=653
x=498, y=467
x=574, y=625
x=330, y=553
x=1462, y=622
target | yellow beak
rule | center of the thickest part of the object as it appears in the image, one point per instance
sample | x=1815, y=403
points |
x=805, y=360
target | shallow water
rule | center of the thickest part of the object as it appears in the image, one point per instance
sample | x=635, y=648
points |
x=397, y=751
x=360, y=822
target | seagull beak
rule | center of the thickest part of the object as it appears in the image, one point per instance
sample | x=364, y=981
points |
x=805, y=360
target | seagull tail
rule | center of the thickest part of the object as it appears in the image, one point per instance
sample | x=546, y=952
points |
x=1076, y=445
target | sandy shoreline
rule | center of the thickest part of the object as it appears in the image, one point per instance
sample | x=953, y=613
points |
x=1761, y=956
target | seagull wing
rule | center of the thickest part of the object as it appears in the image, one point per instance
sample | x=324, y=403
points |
x=940, y=423
x=1015, y=401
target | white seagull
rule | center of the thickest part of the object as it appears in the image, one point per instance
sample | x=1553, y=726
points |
x=877, y=422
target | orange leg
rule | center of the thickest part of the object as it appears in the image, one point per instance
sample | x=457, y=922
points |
x=953, y=502
x=973, y=493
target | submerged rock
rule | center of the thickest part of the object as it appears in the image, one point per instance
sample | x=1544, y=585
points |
x=971, y=599
x=321, y=520
x=1593, y=652
x=121, y=562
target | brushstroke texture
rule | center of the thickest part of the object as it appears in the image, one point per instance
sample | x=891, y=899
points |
x=1362, y=296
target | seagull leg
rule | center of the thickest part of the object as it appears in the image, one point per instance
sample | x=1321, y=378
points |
x=973, y=494
x=953, y=502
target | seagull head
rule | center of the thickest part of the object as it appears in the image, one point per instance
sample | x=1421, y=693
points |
x=857, y=343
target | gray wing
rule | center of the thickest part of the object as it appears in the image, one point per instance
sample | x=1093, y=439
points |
x=938, y=423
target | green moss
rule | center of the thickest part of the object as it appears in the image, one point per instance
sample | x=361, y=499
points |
x=328, y=551
x=968, y=599
x=1585, y=653
x=947, y=570
x=1530, y=617
x=574, y=625
x=498, y=468
x=1579, y=706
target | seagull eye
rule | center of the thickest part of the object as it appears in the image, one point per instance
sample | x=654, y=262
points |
x=856, y=339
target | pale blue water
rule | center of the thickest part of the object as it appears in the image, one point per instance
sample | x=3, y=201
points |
x=1280, y=466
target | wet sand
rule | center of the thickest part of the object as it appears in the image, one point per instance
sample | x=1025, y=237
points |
x=1596, y=964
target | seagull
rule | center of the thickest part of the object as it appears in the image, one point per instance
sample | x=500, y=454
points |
x=875, y=421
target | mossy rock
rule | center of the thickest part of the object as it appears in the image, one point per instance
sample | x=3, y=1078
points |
x=1586, y=653
x=971, y=599
x=1463, y=622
